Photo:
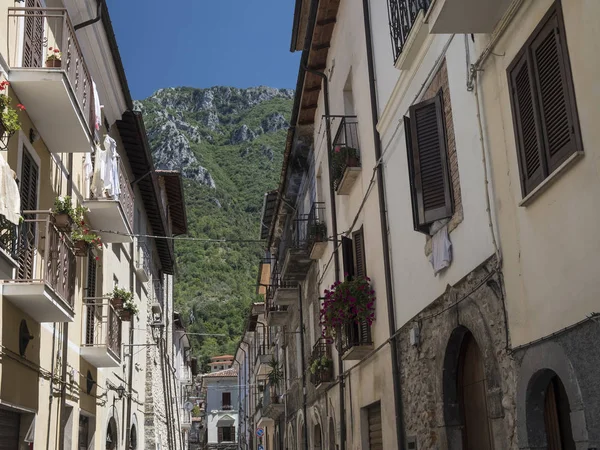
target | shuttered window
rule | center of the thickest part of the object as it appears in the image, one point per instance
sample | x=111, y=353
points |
x=9, y=429
x=375, y=432
x=348, y=257
x=543, y=102
x=226, y=399
x=92, y=313
x=226, y=434
x=28, y=185
x=430, y=185
x=360, y=263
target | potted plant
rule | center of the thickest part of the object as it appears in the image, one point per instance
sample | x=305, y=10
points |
x=9, y=119
x=119, y=296
x=54, y=57
x=63, y=214
x=130, y=309
x=275, y=378
x=343, y=157
x=83, y=239
x=321, y=364
x=349, y=302
x=318, y=231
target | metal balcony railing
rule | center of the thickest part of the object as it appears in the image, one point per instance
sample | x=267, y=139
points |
x=8, y=237
x=317, y=227
x=321, y=363
x=102, y=325
x=32, y=31
x=270, y=396
x=45, y=256
x=259, y=344
x=402, y=15
x=346, y=151
x=355, y=335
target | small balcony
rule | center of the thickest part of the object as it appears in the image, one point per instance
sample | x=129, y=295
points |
x=262, y=356
x=142, y=260
x=158, y=294
x=44, y=283
x=466, y=16
x=356, y=341
x=321, y=365
x=272, y=406
x=345, y=156
x=282, y=293
x=101, y=343
x=317, y=230
x=112, y=214
x=296, y=257
x=276, y=315
x=56, y=88
x=8, y=248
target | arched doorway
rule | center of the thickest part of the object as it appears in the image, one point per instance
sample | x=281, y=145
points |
x=331, y=434
x=472, y=396
x=557, y=416
x=112, y=435
x=317, y=437
x=133, y=438
x=300, y=431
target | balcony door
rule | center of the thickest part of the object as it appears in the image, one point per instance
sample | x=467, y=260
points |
x=34, y=39
x=29, y=181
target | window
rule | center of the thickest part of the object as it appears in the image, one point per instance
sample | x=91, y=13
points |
x=430, y=183
x=543, y=102
x=375, y=434
x=226, y=434
x=226, y=400
x=353, y=255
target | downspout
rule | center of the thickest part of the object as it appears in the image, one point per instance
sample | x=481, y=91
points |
x=130, y=374
x=303, y=367
x=177, y=410
x=384, y=234
x=336, y=257
x=51, y=387
x=91, y=21
x=165, y=391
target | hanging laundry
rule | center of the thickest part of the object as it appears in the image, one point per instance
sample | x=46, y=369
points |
x=111, y=181
x=88, y=167
x=98, y=183
x=10, y=198
x=441, y=247
x=97, y=108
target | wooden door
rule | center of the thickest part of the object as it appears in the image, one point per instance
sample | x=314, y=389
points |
x=472, y=390
x=9, y=429
x=557, y=419
x=29, y=200
x=375, y=431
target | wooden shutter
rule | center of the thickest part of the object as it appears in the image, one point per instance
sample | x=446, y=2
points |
x=432, y=187
x=360, y=263
x=375, y=431
x=348, y=257
x=91, y=312
x=232, y=439
x=220, y=434
x=33, y=36
x=543, y=102
x=9, y=429
x=411, y=178
x=29, y=183
x=226, y=399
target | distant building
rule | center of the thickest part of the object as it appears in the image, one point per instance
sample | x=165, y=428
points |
x=220, y=389
x=220, y=362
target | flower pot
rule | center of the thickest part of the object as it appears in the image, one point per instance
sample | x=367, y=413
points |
x=81, y=248
x=351, y=161
x=53, y=63
x=117, y=303
x=63, y=222
x=126, y=315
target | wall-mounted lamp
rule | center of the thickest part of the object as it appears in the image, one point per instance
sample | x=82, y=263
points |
x=33, y=135
x=24, y=337
x=90, y=382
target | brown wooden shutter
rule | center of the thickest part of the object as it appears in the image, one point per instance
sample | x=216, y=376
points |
x=375, y=430
x=347, y=257
x=232, y=434
x=430, y=161
x=33, y=38
x=91, y=312
x=360, y=263
x=226, y=399
x=411, y=178
x=29, y=183
x=220, y=434
x=543, y=102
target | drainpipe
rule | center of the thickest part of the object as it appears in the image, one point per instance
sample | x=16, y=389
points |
x=130, y=374
x=384, y=234
x=161, y=351
x=303, y=367
x=51, y=387
x=336, y=257
x=91, y=21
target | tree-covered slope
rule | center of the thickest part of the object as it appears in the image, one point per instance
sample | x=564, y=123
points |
x=228, y=143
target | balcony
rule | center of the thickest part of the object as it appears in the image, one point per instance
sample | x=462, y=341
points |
x=8, y=248
x=345, y=156
x=262, y=357
x=101, y=342
x=317, y=231
x=466, y=16
x=112, y=215
x=44, y=285
x=272, y=406
x=58, y=94
x=321, y=365
x=407, y=29
x=158, y=294
x=142, y=260
x=296, y=258
x=281, y=292
x=276, y=315
x=356, y=341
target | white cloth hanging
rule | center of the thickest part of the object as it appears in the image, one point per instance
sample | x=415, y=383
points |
x=98, y=183
x=111, y=181
x=97, y=108
x=88, y=168
x=10, y=197
x=441, y=247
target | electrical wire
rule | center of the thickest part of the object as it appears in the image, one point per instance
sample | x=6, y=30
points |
x=179, y=238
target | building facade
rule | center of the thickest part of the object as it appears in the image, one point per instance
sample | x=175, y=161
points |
x=74, y=368
x=221, y=420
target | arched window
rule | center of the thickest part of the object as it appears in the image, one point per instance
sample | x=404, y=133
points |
x=331, y=434
x=557, y=419
x=317, y=437
x=472, y=397
x=111, y=435
x=133, y=438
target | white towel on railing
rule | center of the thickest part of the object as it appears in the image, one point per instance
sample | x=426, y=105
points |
x=97, y=187
x=97, y=108
x=111, y=181
x=10, y=198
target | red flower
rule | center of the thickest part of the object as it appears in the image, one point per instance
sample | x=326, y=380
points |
x=56, y=50
x=21, y=107
x=337, y=149
x=97, y=258
x=50, y=48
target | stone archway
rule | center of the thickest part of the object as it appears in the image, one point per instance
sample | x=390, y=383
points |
x=331, y=433
x=317, y=437
x=112, y=435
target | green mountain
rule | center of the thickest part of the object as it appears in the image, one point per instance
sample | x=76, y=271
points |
x=228, y=143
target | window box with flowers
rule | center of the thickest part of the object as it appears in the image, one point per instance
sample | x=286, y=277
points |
x=54, y=58
x=130, y=309
x=119, y=297
x=347, y=314
x=84, y=240
x=9, y=118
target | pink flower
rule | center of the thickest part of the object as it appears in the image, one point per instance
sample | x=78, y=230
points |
x=50, y=48
x=337, y=149
x=21, y=107
x=56, y=50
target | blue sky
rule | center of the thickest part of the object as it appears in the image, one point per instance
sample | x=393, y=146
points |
x=203, y=43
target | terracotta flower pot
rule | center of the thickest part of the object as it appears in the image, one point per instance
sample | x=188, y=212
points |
x=117, y=303
x=53, y=63
x=351, y=161
x=126, y=315
x=63, y=222
x=81, y=248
